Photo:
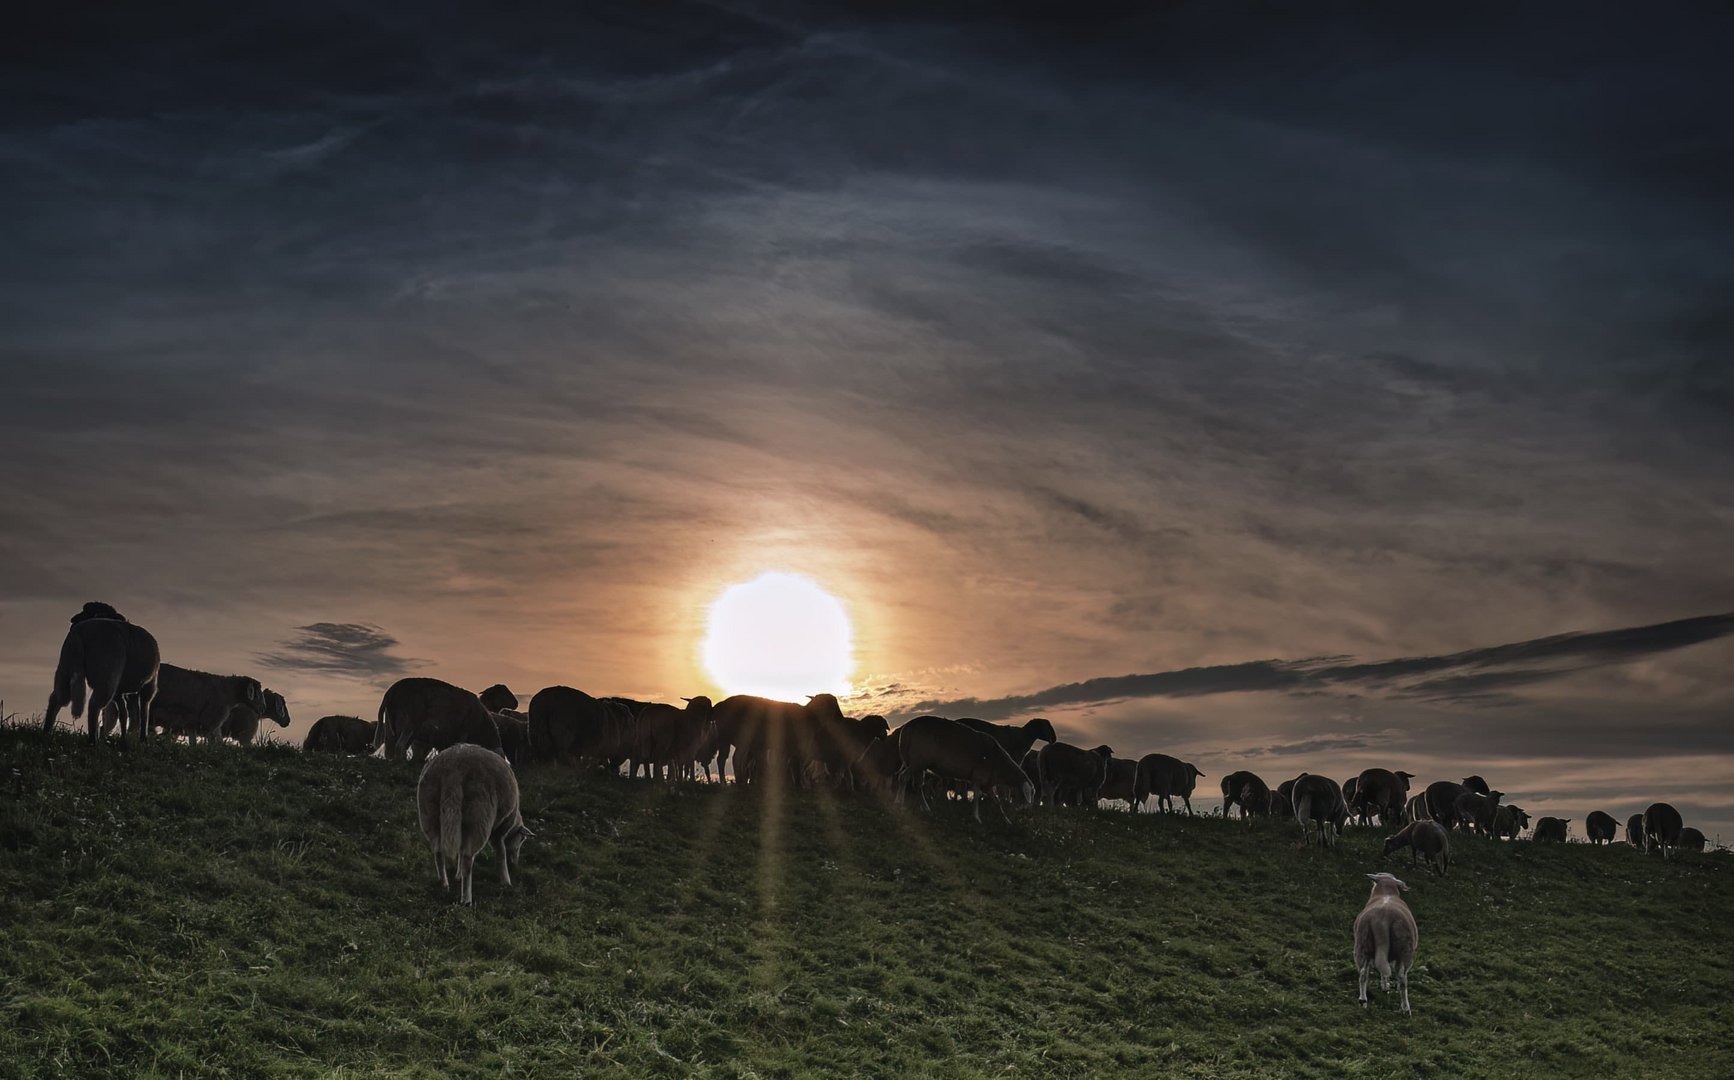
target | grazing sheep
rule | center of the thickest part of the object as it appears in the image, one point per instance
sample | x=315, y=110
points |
x=242, y=723
x=341, y=735
x=1427, y=838
x=1691, y=839
x=428, y=714
x=1479, y=812
x=1441, y=797
x=571, y=727
x=1508, y=821
x=1070, y=774
x=838, y=744
x=953, y=752
x=1662, y=827
x=1165, y=777
x=1635, y=830
x=1551, y=830
x=1386, y=936
x=196, y=703
x=670, y=740
x=768, y=735
x=877, y=768
x=1600, y=827
x=1246, y=790
x=1318, y=800
x=1121, y=781
x=466, y=798
x=1382, y=792
x=120, y=662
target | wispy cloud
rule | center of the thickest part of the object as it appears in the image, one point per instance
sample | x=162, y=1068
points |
x=1474, y=677
x=359, y=650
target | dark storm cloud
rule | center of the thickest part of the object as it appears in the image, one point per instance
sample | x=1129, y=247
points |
x=360, y=650
x=1462, y=678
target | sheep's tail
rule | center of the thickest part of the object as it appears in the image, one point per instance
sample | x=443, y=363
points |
x=451, y=819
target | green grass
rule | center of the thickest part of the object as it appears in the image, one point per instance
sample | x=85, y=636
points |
x=179, y=910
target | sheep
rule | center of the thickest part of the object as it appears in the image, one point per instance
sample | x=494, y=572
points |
x=838, y=743
x=514, y=728
x=1690, y=839
x=118, y=659
x=196, y=703
x=1071, y=774
x=1165, y=777
x=1121, y=781
x=1551, y=830
x=1382, y=792
x=1318, y=799
x=954, y=752
x=242, y=723
x=1282, y=801
x=1600, y=827
x=1479, y=812
x=670, y=740
x=340, y=734
x=1441, y=797
x=771, y=735
x=1635, y=830
x=1386, y=936
x=467, y=797
x=431, y=714
x=1427, y=838
x=877, y=768
x=498, y=699
x=1508, y=821
x=1246, y=790
x=1662, y=826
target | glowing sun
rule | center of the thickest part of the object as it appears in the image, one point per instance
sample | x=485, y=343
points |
x=779, y=636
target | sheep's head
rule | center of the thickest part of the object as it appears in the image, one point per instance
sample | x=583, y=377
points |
x=1392, y=843
x=1104, y=752
x=276, y=708
x=498, y=699
x=96, y=609
x=1042, y=729
x=1386, y=883
x=824, y=706
x=253, y=693
x=515, y=838
x=699, y=705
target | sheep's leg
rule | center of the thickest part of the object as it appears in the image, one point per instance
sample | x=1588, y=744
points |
x=1403, y=983
x=1187, y=799
x=976, y=792
x=1364, y=968
x=467, y=867
x=439, y=865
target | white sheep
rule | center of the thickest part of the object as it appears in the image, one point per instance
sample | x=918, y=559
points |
x=466, y=798
x=1386, y=936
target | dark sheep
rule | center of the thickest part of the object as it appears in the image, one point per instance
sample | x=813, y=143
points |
x=1551, y=830
x=1072, y=775
x=197, y=703
x=838, y=744
x=118, y=660
x=1165, y=777
x=877, y=768
x=1600, y=827
x=514, y=729
x=428, y=714
x=1691, y=839
x=1121, y=781
x=670, y=740
x=1635, y=830
x=1662, y=825
x=1246, y=790
x=1427, y=838
x=954, y=752
x=1318, y=800
x=1441, y=796
x=1509, y=821
x=1479, y=812
x=571, y=727
x=242, y=723
x=1417, y=808
x=1381, y=792
x=340, y=735
x=771, y=736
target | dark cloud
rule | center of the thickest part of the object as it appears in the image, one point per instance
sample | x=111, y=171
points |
x=358, y=650
x=1466, y=678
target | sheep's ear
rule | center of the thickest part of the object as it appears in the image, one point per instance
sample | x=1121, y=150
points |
x=1402, y=887
x=686, y=699
x=1374, y=877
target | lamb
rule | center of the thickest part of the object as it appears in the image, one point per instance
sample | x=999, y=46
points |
x=1600, y=827
x=1386, y=936
x=117, y=659
x=1662, y=827
x=1551, y=830
x=1426, y=838
x=466, y=798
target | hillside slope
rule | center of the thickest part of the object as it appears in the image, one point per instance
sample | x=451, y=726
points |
x=214, y=911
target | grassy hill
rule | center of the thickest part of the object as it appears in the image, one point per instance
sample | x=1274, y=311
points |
x=179, y=910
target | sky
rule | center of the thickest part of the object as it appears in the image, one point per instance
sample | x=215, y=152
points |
x=1284, y=389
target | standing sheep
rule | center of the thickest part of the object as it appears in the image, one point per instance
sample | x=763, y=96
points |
x=1386, y=936
x=465, y=799
x=1691, y=839
x=1165, y=777
x=1318, y=800
x=1662, y=825
x=1600, y=827
x=428, y=714
x=1246, y=790
x=118, y=660
x=1551, y=830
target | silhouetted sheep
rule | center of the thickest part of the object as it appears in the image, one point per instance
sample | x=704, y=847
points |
x=571, y=727
x=466, y=798
x=1072, y=775
x=1662, y=825
x=1121, y=781
x=242, y=723
x=1479, y=812
x=196, y=703
x=341, y=735
x=514, y=729
x=1382, y=792
x=1635, y=831
x=1691, y=839
x=671, y=739
x=877, y=768
x=1441, y=796
x=428, y=714
x=1427, y=838
x=1600, y=827
x=1318, y=800
x=117, y=659
x=953, y=752
x=1246, y=790
x=1165, y=777
x=771, y=735
x=1551, y=830
x=1509, y=821
x=1386, y=936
